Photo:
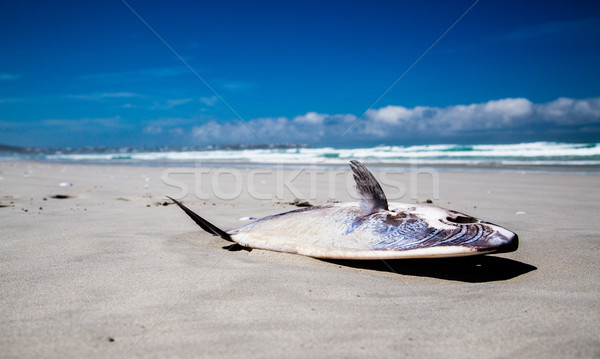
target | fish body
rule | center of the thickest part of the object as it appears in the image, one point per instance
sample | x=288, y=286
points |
x=404, y=231
x=370, y=229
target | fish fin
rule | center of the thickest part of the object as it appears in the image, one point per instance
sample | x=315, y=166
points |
x=372, y=198
x=203, y=223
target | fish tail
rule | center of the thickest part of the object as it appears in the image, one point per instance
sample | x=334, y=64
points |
x=203, y=223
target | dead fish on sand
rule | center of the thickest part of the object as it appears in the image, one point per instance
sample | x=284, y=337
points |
x=369, y=229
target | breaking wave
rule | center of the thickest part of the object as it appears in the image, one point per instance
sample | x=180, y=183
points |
x=522, y=154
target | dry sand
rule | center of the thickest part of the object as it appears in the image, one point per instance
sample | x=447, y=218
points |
x=111, y=272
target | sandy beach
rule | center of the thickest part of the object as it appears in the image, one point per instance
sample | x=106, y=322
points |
x=95, y=263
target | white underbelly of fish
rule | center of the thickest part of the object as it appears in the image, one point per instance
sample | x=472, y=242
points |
x=328, y=236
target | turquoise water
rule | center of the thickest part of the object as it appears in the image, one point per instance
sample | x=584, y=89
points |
x=533, y=154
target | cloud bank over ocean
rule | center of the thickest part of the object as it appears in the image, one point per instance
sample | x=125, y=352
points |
x=506, y=120
x=509, y=120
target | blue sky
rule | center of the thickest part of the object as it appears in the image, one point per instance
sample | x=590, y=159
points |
x=92, y=73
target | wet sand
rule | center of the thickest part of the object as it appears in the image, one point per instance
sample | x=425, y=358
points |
x=94, y=264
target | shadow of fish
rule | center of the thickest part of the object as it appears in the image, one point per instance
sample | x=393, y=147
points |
x=369, y=229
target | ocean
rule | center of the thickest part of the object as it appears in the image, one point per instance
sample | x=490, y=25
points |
x=533, y=156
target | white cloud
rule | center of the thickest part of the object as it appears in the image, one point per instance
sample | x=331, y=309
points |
x=106, y=95
x=209, y=101
x=311, y=118
x=177, y=102
x=86, y=123
x=511, y=117
x=171, y=103
x=153, y=130
x=213, y=132
x=509, y=107
x=569, y=111
x=149, y=74
x=393, y=115
x=500, y=115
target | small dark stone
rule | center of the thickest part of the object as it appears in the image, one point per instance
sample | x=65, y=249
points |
x=165, y=203
x=300, y=203
x=60, y=196
x=111, y=339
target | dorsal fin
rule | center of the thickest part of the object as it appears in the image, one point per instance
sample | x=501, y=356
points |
x=203, y=223
x=372, y=198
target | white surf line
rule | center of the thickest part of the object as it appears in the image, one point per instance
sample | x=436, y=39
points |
x=410, y=68
x=192, y=69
